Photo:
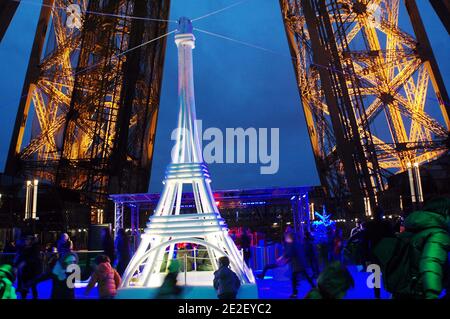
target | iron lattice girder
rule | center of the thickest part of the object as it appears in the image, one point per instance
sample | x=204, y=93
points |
x=354, y=146
x=78, y=92
x=383, y=65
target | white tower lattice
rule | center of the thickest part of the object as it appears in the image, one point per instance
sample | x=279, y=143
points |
x=167, y=226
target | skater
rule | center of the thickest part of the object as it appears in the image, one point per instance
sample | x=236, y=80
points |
x=333, y=283
x=357, y=229
x=245, y=243
x=108, y=243
x=169, y=288
x=226, y=282
x=106, y=276
x=29, y=266
x=64, y=244
x=122, y=245
x=374, y=231
x=7, y=277
x=279, y=262
x=311, y=253
x=418, y=273
x=62, y=288
x=338, y=244
x=295, y=255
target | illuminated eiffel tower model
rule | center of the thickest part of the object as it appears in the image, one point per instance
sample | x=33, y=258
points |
x=167, y=226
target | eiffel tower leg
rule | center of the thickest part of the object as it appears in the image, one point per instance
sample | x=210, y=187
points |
x=164, y=207
x=206, y=197
x=169, y=206
x=232, y=250
x=178, y=188
x=198, y=203
x=169, y=256
x=152, y=261
x=162, y=201
x=242, y=269
x=202, y=192
x=211, y=254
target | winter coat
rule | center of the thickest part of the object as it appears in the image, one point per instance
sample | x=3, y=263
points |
x=295, y=254
x=430, y=229
x=310, y=248
x=29, y=262
x=226, y=281
x=64, y=247
x=375, y=230
x=107, y=278
x=7, y=290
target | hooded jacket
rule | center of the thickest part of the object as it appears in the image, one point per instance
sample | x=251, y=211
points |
x=431, y=228
x=108, y=280
x=294, y=253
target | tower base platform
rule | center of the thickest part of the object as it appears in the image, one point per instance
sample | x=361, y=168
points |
x=195, y=285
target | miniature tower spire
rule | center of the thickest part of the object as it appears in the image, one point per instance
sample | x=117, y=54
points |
x=169, y=225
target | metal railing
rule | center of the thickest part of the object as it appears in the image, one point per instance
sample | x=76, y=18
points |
x=263, y=255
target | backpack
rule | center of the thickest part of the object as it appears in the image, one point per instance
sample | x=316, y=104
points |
x=2, y=288
x=399, y=258
x=353, y=251
x=6, y=289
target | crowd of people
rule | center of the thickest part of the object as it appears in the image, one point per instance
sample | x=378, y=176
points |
x=33, y=264
x=412, y=254
x=301, y=254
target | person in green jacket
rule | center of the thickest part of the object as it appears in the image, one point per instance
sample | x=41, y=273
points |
x=7, y=277
x=430, y=228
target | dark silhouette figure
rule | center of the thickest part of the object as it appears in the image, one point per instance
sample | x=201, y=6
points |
x=246, y=242
x=311, y=253
x=169, y=288
x=226, y=282
x=338, y=245
x=10, y=247
x=123, y=254
x=295, y=255
x=374, y=231
x=280, y=261
x=108, y=243
x=333, y=283
x=29, y=266
x=358, y=228
x=59, y=275
x=416, y=267
x=64, y=244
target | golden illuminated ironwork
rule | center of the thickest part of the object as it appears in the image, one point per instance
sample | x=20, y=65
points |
x=94, y=93
x=386, y=70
